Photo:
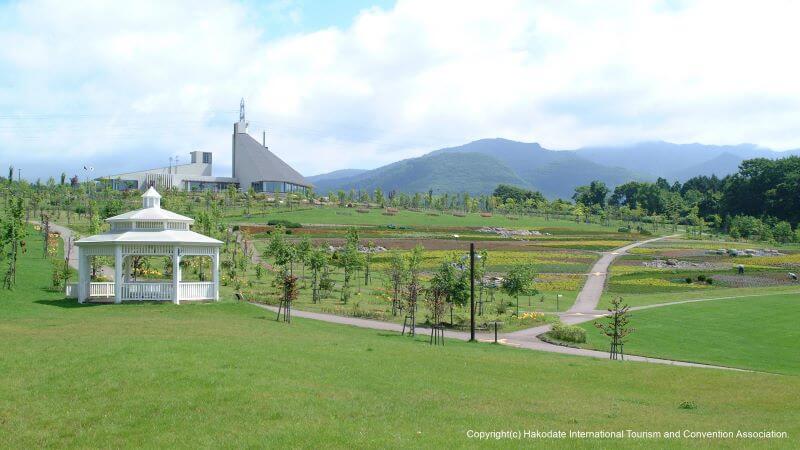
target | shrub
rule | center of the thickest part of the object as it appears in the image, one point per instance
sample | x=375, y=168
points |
x=568, y=333
x=701, y=277
x=688, y=405
x=688, y=280
x=284, y=223
x=709, y=280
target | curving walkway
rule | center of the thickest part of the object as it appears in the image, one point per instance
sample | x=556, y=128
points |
x=582, y=311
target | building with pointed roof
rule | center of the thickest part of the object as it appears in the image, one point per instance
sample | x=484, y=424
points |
x=254, y=165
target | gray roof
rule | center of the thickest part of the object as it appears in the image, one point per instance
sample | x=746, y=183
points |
x=254, y=162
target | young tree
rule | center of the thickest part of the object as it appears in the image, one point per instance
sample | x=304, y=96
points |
x=349, y=260
x=396, y=274
x=517, y=282
x=368, y=262
x=413, y=288
x=289, y=293
x=303, y=250
x=13, y=239
x=453, y=281
x=318, y=263
x=280, y=251
x=617, y=327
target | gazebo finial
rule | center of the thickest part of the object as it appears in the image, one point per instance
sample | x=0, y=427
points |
x=151, y=198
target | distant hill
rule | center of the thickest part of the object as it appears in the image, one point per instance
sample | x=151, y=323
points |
x=467, y=172
x=343, y=173
x=676, y=161
x=553, y=173
x=479, y=166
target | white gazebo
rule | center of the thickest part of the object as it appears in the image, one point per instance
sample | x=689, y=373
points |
x=150, y=231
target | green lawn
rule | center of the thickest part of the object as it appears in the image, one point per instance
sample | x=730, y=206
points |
x=758, y=333
x=644, y=299
x=227, y=374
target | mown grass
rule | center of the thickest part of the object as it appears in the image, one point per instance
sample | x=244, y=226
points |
x=227, y=374
x=758, y=333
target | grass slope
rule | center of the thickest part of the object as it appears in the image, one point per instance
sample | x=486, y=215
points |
x=758, y=333
x=226, y=374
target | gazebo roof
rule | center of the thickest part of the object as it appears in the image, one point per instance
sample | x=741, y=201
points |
x=151, y=232
x=150, y=214
x=150, y=237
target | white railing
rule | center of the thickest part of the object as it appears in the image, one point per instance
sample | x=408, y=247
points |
x=71, y=290
x=101, y=289
x=196, y=291
x=146, y=291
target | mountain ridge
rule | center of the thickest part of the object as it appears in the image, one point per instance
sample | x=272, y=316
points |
x=555, y=173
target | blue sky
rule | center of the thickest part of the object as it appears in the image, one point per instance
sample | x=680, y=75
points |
x=341, y=84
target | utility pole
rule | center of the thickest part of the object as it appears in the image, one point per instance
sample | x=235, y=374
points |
x=472, y=292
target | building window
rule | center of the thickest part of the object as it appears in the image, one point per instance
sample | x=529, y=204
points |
x=206, y=158
x=279, y=187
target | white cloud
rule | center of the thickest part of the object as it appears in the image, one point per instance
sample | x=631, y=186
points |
x=147, y=80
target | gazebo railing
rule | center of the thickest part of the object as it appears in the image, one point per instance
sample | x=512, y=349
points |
x=101, y=289
x=146, y=291
x=196, y=291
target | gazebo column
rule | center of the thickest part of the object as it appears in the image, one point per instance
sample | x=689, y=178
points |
x=215, y=272
x=127, y=275
x=176, y=275
x=83, y=275
x=118, y=274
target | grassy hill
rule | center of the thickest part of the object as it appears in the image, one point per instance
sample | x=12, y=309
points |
x=227, y=374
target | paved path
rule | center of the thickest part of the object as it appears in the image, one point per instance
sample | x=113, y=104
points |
x=534, y=344
x=585, y=307
x=583, y=310
x=587, y=299
x=66, y=236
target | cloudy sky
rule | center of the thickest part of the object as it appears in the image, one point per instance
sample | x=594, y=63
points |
x=357, y=84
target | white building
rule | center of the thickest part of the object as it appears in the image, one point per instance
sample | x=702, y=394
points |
x=150, y=231
x=253, y=166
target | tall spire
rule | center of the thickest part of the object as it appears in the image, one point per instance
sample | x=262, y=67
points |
x=241, y=110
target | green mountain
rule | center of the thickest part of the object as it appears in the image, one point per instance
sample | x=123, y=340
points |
x=464, y=172
x=478, y=167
